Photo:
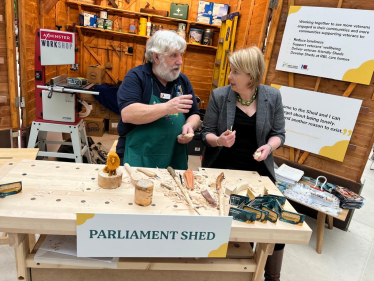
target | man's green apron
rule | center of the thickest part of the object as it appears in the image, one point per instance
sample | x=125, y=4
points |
x=155, y=144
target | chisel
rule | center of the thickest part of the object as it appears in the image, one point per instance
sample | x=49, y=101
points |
x=182, y=188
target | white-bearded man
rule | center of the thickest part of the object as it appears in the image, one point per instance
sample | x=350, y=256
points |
x=157, y=104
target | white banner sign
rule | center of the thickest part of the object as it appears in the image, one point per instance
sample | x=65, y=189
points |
x=57, y=47
x=319, y=123
x=329, y=42
x=135, y=235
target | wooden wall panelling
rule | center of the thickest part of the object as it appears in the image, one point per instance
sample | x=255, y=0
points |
x=264, y=26
x=5, y=114
x=48, y=5
x=29, y=21
x=362, y=137
x=258, y=26
x=9, y=114
x=242, y=29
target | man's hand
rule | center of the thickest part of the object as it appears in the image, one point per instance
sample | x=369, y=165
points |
x=227, y=138
x=186, y=129
x=265, y=151
x=180, y=104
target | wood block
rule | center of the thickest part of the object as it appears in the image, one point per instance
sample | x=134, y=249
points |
x=109, y=182
x=143, y=192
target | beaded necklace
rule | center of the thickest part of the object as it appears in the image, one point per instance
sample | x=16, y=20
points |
x=247, y=103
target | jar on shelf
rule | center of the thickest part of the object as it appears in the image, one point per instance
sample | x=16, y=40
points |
x=182, y=30
x=195, y=36
x=149, y=27
x=153, y=29
x=208, y=37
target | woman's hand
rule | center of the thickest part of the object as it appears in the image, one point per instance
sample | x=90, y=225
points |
x=227, y=138
x=265, y=151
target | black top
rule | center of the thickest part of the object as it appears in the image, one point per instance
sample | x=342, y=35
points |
x=240, y=155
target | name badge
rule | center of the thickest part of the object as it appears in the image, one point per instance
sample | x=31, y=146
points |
x=165, y=96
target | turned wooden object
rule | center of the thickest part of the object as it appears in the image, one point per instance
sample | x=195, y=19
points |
x=109, y=182
x=134, y=175
x=143, y=192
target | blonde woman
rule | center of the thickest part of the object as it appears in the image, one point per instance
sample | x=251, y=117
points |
x=241, y=119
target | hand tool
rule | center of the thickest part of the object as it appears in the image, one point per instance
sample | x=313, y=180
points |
x=148, y=173
x=114, y=48
x=108, y=65
x=220, y=194
x=182, y=188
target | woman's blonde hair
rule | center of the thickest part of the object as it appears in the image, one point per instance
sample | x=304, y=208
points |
x=250, y=61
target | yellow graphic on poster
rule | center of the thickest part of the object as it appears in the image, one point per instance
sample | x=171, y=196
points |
x=317, y=122
x=360, y=75
x=294, y=9
x=329, y=42
x=82, y=218
x=336, y=152
x=220, y=252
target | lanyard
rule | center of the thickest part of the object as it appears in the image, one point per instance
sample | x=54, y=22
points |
x=177, y=89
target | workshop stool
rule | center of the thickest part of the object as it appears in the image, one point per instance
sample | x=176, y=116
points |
x=78, y=139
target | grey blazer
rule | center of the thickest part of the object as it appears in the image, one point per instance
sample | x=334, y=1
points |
x=220, y=116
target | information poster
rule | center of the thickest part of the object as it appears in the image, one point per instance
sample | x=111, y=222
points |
x=135, y=235
x=329, y=42
x=317, y=122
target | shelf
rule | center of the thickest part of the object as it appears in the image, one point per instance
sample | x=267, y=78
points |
x=117, y=33
x=110, y=32
x=201, y=46
x=137, y=14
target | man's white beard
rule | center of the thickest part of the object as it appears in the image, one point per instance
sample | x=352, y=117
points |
x=165, y=72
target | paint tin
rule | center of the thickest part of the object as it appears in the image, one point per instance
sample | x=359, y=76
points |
x=100, y=23
x=104, y=15
x=108, y=24
x=195, y=36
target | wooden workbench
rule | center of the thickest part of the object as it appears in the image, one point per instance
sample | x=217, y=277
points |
x=8, y=157
x=53, y=192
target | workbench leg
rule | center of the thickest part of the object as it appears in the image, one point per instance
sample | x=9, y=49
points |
x=330, y=221
x=76, y=141
x=33, y=136
x=32, y=242
x=321, y=218
x=263, y=250
x=20, y=243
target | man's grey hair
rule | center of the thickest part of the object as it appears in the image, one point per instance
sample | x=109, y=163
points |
x=164, y=42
